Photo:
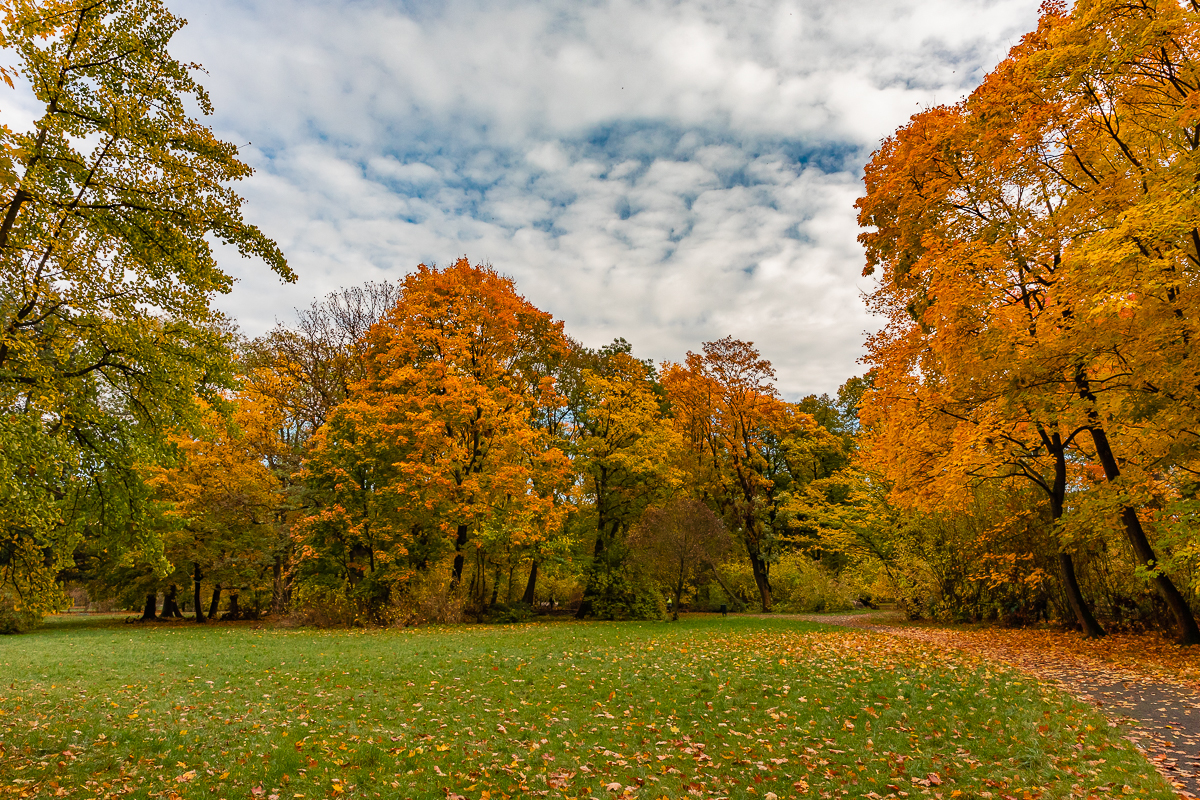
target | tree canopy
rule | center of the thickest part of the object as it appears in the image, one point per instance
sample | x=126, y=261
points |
x=111, y=202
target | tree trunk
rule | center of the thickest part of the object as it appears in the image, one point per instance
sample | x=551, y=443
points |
x=277, y=587
x=759, y=568
x=495, y=583
x=196, y=584
x=678, y=600
x=148, y=614
x=170, y=609
x=471, y=590
x=481, y=570
x=733, y=599
x=1184, y=619
x=1066, y=564
x=216, y=602
x=1083, y=613
x=459, y=540
x=589, y=589
x=530, y=595
x=235, y=611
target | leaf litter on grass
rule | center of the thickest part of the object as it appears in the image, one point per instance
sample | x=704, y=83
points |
x=1145, y=683
x=747, y=708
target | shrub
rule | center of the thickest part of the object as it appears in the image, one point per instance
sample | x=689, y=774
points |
x=801, y=585
x=501, y=613
x=14, y=617
x=321, y=607
x=625, y=595
x=428, y=597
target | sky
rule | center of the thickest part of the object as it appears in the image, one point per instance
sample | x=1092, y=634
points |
x=667, y=172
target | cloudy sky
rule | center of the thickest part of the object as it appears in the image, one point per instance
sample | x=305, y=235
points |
x=670, y=172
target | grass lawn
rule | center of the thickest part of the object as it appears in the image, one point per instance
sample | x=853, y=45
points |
x=708, y=707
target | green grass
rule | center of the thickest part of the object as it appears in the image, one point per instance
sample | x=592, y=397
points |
x=735, y=707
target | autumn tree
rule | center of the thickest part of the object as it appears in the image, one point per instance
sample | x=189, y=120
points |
x=627, y=456
x=680, y=539
x=306, y=370
x=112, y=198
x=224, y=496
x=748, y=449
x=1033, y=248
x=435, y=448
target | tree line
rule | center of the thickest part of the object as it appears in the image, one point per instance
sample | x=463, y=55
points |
x=444, y=436
x=1021, y=447
x=442, y=426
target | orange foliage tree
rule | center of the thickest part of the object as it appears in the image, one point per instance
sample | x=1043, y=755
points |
x=225, y=497
x=745, y=445
x=1036, y=249
x=437, y=448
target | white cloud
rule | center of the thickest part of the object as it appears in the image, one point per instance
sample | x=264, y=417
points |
x=670, y=172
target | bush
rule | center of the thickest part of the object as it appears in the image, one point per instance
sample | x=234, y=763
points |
x=560, y=584
x=799, y=585
x=321, y=607
x=14, y=618
x=626, y=595
x=502, y=614
x=428, y=597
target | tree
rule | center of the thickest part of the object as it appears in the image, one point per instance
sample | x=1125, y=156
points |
x=1034, y=244
x=436, y=445
x=309, y=370
x=107, y=335
x=746, y=446
x=679, y=539
x=306, y=372
x=225, y=497
x=626, y=453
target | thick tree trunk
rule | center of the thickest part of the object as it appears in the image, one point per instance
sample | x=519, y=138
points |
x=170, y=609
x=589, y=589
x=149, y=614
x=1066, y=565
x=495, y=583
x=1185, y=621
x=459, y=559
x=216, y=602
x=678, y=600
x=759, y=568
x=235, y=611
x=530, y=595
x=1083, y=613
x=196, y=585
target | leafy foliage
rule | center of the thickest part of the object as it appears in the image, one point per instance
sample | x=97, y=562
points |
x=1036, y=254
x=436, y=447
x=106, y=276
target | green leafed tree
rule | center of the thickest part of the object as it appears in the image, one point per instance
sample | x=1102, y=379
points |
x=109, y=204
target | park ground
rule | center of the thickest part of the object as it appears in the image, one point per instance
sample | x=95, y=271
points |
x=710, y=707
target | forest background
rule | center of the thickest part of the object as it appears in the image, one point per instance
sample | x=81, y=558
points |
x=1022, y=446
